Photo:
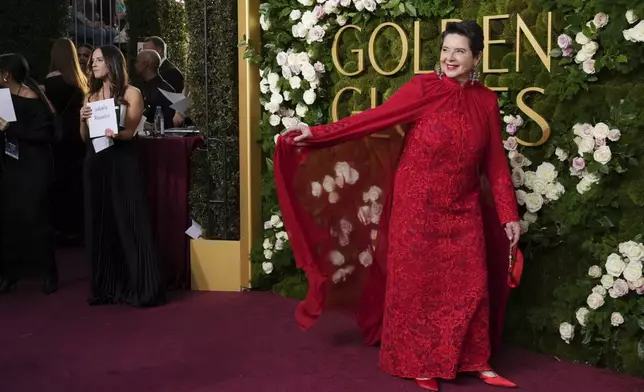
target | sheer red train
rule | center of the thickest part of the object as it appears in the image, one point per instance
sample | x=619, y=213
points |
x=406, y=231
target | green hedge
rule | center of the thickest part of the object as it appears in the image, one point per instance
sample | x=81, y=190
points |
x=30, y=28
x=572, y=233
x=213, y=83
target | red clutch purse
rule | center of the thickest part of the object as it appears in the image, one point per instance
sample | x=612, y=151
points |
x=515, y=268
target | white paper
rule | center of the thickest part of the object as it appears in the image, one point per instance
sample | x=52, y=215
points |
x=6, y=106
x=195, y=230
x=141, y=126
x=101, y=143
x=182, y=106
x=103, y=117
x=172, y=97
x=139, y=47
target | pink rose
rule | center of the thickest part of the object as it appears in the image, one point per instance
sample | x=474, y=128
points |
x=640, y=290
x=318, y=11
x=567, y=52
x=511, y=144
x=600, y=143
x=564, y=41
x=578, y=163
x=511, y=129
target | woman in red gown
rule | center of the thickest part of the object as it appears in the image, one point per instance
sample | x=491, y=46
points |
x=400, y=225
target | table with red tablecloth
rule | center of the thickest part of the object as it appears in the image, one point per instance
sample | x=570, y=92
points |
x=165, y=163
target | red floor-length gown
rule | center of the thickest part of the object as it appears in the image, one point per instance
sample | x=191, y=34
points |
x=416, y=269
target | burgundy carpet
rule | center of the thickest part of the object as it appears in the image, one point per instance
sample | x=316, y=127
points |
x=220, y=342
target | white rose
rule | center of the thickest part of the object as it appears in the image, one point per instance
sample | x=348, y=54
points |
x=365, y=258
x=631, y=17
x=336, y=258
x=309, y=19
x=517, y=177
x=517, y=160
x=581, y=39
x=316, y=189
x=524, y=226
x=299, y=31
x=562, y=155
x=309, y=97
x=607, y=281
x=590, y=48
x=581, y=315
x=582, y=56
x=540, y=186
x=267, y=244
x=282, y=236
x=588, y=66
x=264, y=22
x=369, y=5
x=595, y=271
x=295, y=82
x=533, y=202
x=567, y=332
x=319, y=67
x=639, y=283
x=600, y=290
x=520, y=195
x=301, y=109
x=308, y=72
x=586, y=144
x=342, y=19
x=275, y=120
x=328, y=183
x=592, y=178
x=616, y=319
x=635, y=34
x=614, y=135
x=530, y=176
x=279, y=244
x=614, y=265
x=290, y=122
x=273, y=79
x=315, y=34
x=600, y=20
x=546, y=171
x=282, y=57
x=602, y=155
x=633, y=271
x=600, y=131
x=272, y=107
x=595, y=301
x=345, y=3
x=554, y=191
x=268, y=254
x=583, y=186
x=632, y=250
x=372, y=195
x=508, y=119
x=267, y=266
x=330, y=7
x=306, y=2
x=583, y=130
x=619, y=289
x=286, y=72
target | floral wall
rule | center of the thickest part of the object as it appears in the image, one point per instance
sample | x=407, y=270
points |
x=580, y=194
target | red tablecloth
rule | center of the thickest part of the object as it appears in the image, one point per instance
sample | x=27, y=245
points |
x=165, y=164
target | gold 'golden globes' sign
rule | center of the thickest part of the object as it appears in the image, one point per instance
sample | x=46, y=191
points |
x=522, y=30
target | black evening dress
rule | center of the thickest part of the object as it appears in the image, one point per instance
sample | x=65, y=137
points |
x=25, y=225
x=123, y=256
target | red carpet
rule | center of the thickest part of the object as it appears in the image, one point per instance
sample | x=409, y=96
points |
x=220, y=342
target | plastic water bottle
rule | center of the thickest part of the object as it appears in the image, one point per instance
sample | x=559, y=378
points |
x=159, y=122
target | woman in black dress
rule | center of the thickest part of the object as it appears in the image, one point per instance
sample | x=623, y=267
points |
x=119, y=239
x=66, y=86
x=27, y=171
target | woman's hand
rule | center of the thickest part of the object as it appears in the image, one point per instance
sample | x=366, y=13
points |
x=109, y=133
x=85, y=112
x=303, y=129
x=513, y=231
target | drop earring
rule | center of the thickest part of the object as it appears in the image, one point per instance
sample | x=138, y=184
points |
x=474, y=76
x=439, y=71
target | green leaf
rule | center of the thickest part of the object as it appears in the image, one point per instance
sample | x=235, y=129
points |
x=401, y=8
x=391, y=4
x=592, y=79
x=269, y=164
x=411, y=9
x=622, y=59
x=640, y=349
x=606, y=222
x=556, y=53
x=285, y=11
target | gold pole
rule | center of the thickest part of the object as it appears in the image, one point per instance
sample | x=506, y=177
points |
x=250, y=153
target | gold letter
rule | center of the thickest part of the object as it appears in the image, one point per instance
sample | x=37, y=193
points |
x=444, y=23
x=545, y=128
x=405, y=48
x=334, y=53
x=487, y=42
x=336, y=101
x=417, y=69
x=544, y=56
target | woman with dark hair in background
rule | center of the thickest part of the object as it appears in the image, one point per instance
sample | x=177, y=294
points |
x=27, y=173
x=407, y=217
x=66, y=86
x=119, y=239
x=84, y=55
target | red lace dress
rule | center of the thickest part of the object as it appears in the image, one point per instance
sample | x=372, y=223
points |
x=397, y=228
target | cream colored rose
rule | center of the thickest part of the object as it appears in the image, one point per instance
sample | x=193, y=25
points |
x=328, y=183
x=635, y=34
x=279, y=244
x=586, y=145
x=595, y=271
x=583, y=186
x=608, y=281
x=520, y=195
x=600, y=20
x=590, y=48
x=562, y=155
x=518, y=177
x=372, y=195
x=567, y=332
x=528, y=181
x=282, y=236
x=616, y=319
x=581, y=315
x=592, y=178
x=267, y=244
x=533, y=202
x=601, y=131
x=602, y=155
x=633, y=271
x=336, y=258
x=582, y=56
x=581, y=39
x=582, y=130
x=547, y=172
x=614, y=135
x=268, y=254
x=632, y=250
x=540, y=186
x=595, y=301
x=365, y=258
x=267, y=267
x=619, y=289
x=600, y=290
x=631, y=17
x=614, y=265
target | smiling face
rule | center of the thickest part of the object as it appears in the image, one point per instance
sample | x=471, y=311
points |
x=84, y=55
x=99, y=66
x=457, y=59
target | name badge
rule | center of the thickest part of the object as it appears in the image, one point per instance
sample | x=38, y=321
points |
x=12, y=150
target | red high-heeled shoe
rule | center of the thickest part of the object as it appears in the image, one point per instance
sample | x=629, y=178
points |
x=496, y=381
x=429, y=384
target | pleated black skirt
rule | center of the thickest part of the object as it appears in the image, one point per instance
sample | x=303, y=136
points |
x=124, y=264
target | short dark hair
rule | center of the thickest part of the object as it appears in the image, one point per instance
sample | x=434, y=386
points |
x=158, y=42
x=469, y=29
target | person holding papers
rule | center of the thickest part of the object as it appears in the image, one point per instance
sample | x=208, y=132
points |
x=151, y=84
x=119, y=239
x=27, y=172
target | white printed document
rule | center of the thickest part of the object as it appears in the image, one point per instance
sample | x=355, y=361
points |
x=103, y=117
